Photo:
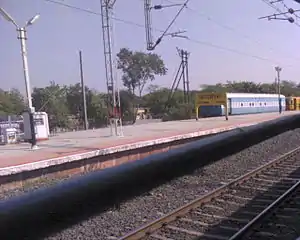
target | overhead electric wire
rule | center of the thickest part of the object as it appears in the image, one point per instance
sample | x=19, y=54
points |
x=172, y=22
x=159, y=30
x=279, y=10
x=92, y=12
x=286, y=6
x=232, y=29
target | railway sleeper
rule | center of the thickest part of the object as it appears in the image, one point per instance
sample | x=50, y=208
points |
x=223, y=213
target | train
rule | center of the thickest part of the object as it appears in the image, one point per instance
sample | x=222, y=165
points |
x=249, y=103
x=292, y=103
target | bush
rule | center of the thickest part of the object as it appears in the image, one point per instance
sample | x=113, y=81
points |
x=182, y=112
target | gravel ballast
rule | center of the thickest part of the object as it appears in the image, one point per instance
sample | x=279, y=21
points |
x=143, y=209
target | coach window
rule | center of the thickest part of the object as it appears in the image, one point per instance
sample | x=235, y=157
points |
x=241, y=104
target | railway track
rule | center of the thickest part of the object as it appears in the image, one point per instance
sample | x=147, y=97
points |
x=280, y=220
x=229, y=211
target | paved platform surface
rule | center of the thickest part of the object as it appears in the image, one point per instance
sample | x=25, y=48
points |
x=74, y=146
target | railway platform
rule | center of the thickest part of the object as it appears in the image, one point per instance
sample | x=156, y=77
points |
x=138, y=142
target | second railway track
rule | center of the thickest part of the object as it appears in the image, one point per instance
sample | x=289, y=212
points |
x=224, y=212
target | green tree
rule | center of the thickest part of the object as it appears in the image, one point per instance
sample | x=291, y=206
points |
x=129, y=102
x=138, y=68
x=97, y=109
x=74, y=99
x=11, y=102
x=239, y=87
x=156, y=101
x=219, y=87
x=52, y=100
x=289, y=88
x=95, y=103
x=153, y=88
x=160, y=105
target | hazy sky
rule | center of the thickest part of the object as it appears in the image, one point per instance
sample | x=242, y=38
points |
x=54, y=41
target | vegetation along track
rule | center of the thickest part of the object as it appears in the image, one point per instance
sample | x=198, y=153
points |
x=224, y=212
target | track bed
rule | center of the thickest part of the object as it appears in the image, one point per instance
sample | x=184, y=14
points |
x=223, y=212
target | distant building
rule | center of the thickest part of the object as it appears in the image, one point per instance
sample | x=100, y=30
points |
x=143, y=113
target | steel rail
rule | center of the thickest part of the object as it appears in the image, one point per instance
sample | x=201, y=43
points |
x=160, y=222
x=265, y=213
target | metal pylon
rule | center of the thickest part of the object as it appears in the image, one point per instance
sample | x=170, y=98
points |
x=113, y=101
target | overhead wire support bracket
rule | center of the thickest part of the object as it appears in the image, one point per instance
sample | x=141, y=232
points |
x=276, y=16
x=177, y=34
x=148, y=23
x=272, y=2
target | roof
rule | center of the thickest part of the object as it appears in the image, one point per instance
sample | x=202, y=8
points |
x=253, y=95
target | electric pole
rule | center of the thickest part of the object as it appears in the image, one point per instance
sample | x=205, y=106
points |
x=278, y=70
x=184, y=55
x=113, y=99
x=84, y=114
x=182, y=74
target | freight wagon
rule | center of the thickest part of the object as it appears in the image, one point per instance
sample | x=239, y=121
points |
x=245, y=103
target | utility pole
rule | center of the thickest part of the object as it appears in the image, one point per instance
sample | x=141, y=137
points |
x=182, y=73
x=22, y=36
x=86, y=124
x=185, y=74
x=9, y=116
x=113, y=101
x=278, y=70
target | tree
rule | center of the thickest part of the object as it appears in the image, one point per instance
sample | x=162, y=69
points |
x=239, y=87
x=289, y=88
x=138, y=68
x=11, y=102
x=97, y=109
x=128, y=106
x=74, y=99
x=64, y=106
x=95, y=103
x=244, y=87
x=52, y=100
x=153, y=88
x=168, y=109
x=219, y=87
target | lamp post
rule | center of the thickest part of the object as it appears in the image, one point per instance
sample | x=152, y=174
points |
x=278, y=70
x=22, y=36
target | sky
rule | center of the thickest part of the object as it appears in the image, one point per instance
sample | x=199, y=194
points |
x=228, y=41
